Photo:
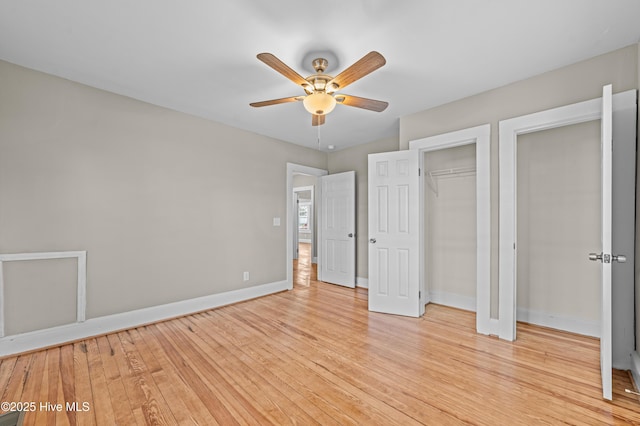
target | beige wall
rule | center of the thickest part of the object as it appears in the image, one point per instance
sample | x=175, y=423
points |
x=574, y=83
x=356, y=158
x=559, y=221
x=168, y=206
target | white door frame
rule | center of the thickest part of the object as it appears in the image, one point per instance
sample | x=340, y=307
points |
x=292, y=169
x=481, y=137
x=509, y=131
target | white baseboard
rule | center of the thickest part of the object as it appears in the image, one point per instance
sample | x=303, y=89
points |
x=10, y=345
x=559, y=322
x=635, y=368
x=304, y=240
x=454, y=300
x=314, y=260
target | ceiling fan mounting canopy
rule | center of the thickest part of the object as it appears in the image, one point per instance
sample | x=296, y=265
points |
x=320, y=87
x=320, y=64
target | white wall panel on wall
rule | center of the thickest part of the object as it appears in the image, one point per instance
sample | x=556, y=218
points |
x=33, y=287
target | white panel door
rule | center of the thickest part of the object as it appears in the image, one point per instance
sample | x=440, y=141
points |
x=605, y=256
x=337, y=262
x=394, y=233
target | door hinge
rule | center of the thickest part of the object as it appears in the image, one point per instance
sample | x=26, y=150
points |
x=418, y=171
x=420, y=295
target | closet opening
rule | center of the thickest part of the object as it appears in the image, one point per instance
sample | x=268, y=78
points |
x=559, y=221
x=450, y=226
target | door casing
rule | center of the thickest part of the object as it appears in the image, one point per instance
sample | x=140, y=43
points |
x=481, y=137
x=292, y=169
x=509, y=130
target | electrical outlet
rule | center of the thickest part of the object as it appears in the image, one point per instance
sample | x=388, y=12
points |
x=245, y=276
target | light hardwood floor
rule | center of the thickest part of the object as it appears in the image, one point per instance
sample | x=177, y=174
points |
x=315, y=355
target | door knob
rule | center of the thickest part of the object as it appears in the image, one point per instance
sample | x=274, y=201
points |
x=595, y=256
x=606, y=258
x=620, y=258
x=350, y=235
x=372, y=240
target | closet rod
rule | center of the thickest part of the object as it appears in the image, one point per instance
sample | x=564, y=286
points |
x=452, y=172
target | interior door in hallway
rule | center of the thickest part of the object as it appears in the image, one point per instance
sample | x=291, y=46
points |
x=394, y=230
x=337, y=254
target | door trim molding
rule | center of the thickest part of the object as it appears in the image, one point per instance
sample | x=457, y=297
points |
x=481, y=137
x=292, y=169
x=509, y=130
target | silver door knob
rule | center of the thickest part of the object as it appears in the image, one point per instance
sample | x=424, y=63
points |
x=372, y=240
x=595, y=256
x=350, y=235
x=620, y=258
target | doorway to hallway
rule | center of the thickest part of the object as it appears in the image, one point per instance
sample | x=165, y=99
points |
x=304, y=270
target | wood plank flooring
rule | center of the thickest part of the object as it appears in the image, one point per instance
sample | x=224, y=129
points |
x=315, y=355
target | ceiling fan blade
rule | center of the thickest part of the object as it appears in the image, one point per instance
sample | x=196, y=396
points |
x=282, y=68
x=367, y=64
x=317, y=120
x=364, y=103
x=277, y=101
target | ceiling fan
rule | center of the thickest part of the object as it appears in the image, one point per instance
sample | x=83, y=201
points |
x=320, y=88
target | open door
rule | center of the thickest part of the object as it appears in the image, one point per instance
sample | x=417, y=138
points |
x=394, y=232
x=605, y=256
x=599, y=108
x=337, y=254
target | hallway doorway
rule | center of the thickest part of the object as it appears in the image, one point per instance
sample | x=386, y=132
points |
x=304, y=270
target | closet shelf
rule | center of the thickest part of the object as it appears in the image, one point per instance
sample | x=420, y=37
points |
x=446, y=173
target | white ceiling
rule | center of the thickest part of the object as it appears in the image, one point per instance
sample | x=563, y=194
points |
x=199, y=56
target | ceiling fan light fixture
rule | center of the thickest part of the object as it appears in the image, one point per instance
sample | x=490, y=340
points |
x=319, y=103
x=320, y=88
